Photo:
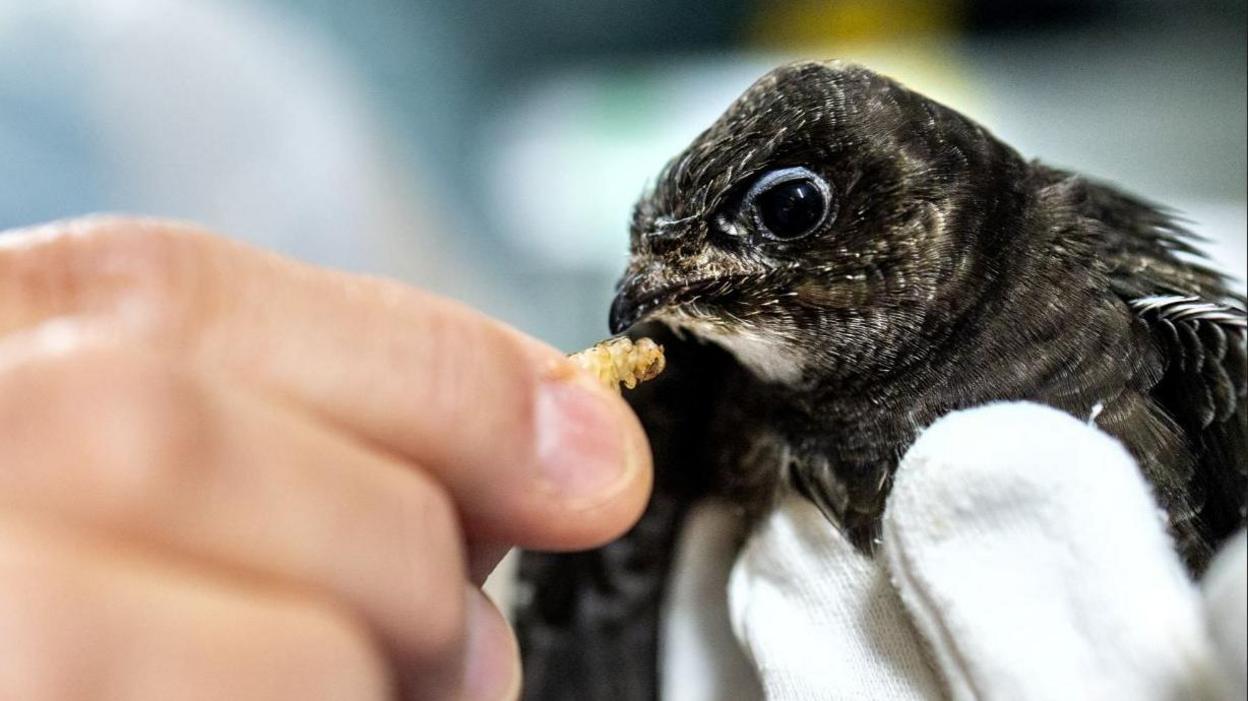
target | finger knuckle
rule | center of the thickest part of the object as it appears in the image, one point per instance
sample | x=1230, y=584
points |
x=147, y=271
x=109, y=417
x=156, y=442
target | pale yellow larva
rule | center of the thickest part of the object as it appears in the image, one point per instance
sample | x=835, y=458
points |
x=622, y=360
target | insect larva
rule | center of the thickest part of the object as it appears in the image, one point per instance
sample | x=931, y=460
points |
x=622, y=360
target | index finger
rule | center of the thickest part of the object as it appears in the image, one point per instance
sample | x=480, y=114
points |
x=533, y=452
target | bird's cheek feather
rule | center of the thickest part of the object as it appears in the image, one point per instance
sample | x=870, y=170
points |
x=851, y=293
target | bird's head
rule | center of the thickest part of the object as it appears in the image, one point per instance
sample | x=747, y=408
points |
x=825, y=224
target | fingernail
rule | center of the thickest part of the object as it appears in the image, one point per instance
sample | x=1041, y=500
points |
x=492, y=663
x=584, y=443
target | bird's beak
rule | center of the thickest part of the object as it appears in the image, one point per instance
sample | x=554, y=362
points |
x=645, y=291
x=629, y=305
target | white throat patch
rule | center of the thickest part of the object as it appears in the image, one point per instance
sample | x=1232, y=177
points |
x=766, y=355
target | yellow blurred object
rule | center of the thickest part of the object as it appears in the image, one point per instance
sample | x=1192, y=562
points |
x=915, y=42
x=796, y=24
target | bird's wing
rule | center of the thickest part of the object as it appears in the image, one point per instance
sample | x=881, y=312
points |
x=1148, y=249
x=1197, y=325
x=1204, y=386
x=588, y=622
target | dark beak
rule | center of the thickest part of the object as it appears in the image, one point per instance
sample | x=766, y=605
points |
x=638, y=296
x=624, y=313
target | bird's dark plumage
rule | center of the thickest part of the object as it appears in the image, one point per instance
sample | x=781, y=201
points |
x=848, y=261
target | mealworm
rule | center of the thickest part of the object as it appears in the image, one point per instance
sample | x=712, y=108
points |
x=622, y=360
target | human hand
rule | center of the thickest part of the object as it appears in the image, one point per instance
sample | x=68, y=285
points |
x=1023, y=558
x=228, y=475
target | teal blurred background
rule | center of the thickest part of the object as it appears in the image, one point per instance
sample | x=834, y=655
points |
x=492, y=150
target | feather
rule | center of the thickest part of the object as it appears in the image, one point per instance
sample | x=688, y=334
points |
x=1204, y=343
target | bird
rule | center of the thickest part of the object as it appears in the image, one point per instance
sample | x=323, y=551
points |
x=834, y=264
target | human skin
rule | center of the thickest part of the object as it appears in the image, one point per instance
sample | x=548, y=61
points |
x=224, y=474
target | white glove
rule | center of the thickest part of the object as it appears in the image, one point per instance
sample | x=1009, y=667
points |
x=1023, y=558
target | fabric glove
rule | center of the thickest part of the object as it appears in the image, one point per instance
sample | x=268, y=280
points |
x=1023, y=557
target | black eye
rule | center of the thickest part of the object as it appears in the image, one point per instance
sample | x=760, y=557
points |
x=789, y=204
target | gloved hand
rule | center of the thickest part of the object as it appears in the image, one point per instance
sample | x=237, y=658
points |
x=1023, y=558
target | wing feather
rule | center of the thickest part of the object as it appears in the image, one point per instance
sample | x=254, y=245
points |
x=1205, y=388
x=1198, y=326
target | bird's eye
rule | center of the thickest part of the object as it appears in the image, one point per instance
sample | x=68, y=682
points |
x=789, y=204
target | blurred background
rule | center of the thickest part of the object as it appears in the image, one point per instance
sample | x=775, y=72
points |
x=492, y=150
